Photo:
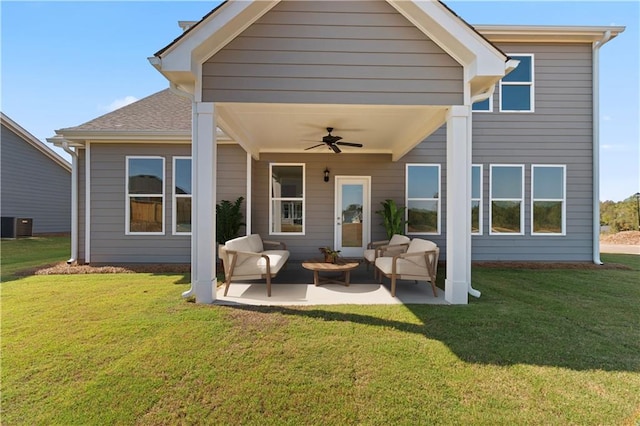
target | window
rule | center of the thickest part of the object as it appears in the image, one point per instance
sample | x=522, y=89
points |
x=483, y=106
x=506, y=191
x=516, y=88
x=145, y=195
x=548, y=200
x=476, y=199
x=286, y=189
x=182, y=195
x=423, y=198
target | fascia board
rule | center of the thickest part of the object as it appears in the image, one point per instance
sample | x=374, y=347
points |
x=212, y=34
x=546, y=33
x=454, y=36
x=34, y=142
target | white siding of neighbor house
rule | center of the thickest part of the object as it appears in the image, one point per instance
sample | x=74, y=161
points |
x=34, y=186
x=334, y=52
x=558, y=132
x=109, y=244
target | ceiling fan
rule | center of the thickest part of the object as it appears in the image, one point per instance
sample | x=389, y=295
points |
x=333, y=141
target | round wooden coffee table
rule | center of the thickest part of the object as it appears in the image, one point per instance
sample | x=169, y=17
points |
x=342, y=266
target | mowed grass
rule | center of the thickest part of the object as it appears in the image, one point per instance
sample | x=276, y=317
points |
x=24, y=253
x=539, y=347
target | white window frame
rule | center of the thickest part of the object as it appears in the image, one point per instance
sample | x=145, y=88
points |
x=128, y=195
x=563, y=199
x=491, y=199
x=531, y=85
x=480, y=216
x=439, y=199
x=175, y=196
x=484, y=110
x=303, y=198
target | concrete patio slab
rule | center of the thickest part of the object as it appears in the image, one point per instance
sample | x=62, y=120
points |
x=294, y=287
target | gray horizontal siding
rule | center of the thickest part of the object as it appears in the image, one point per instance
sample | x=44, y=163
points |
x=82, y=188
x=387, y=181
x=353, y=52
x=558, y=132
x=34, y=186
x=109, y=243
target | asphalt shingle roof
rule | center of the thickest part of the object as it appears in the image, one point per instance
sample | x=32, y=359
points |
x=161, y=112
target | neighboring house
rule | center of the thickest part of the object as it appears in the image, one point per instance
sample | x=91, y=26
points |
x=517, y=179
x=35, y=182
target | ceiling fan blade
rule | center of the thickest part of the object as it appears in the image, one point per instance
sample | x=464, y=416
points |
x=315, y=146
x=335, y=149
x=357, y=145
x=331, y=139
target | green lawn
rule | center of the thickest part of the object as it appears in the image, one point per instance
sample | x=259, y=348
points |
x=26, y=253
x=539, y=347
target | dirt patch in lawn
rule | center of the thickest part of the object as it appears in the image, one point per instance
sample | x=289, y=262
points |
x=631, y=238
x=63, y=269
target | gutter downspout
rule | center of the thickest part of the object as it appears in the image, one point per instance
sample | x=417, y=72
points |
x=74, y=202
x=194, y=235
x=596, y=144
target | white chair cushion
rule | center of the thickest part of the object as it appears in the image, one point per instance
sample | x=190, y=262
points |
x=399, y=239
x=255, y=242
x=370, y=255
x=420, y=245
x=253, y=266
x=409, y=270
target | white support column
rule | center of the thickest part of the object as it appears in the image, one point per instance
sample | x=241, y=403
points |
x=203, y=154
x=249, y=197
x=458, y=279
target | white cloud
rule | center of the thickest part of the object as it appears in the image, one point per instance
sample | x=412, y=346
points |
x=119, y=103
x=606, y=118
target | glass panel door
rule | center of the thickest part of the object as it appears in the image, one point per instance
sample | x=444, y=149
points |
x=352, y=215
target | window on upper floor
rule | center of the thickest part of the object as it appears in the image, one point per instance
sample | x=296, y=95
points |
x=506, y=194
x=423, y=198
x=476, y=199
x=182, y=195
x=287, y=199
x=548, y=199
x=517, y=87
x=145, y=195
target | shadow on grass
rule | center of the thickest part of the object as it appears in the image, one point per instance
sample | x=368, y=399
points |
x=499, y=329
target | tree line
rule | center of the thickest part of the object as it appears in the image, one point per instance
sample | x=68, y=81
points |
x=621, y=215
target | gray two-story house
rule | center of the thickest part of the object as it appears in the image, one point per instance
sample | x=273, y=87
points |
x=487, y=134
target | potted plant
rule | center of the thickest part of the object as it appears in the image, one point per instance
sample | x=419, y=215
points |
x=228, y=220
x=228, y=223
x=330, y=255
x=392, y=218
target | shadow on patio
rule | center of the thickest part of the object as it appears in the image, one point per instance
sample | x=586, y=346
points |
x=294, y=287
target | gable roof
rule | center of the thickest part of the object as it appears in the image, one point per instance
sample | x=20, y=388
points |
x=34, y=142
x=180, y=60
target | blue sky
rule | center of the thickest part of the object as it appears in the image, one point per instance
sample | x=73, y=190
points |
x=65, y=63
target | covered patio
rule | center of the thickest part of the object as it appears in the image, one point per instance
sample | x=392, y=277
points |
x=294, y=287
x=248, y=73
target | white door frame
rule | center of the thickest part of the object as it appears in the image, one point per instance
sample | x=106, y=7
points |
x=366, y=214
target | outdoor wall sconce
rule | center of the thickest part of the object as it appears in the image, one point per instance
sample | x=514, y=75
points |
x=326, y=174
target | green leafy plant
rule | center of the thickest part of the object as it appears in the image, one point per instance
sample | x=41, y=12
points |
x=228, y=220
x=392, y=217
x=330, y=255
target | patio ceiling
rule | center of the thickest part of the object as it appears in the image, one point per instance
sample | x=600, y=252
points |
x=291, y=128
